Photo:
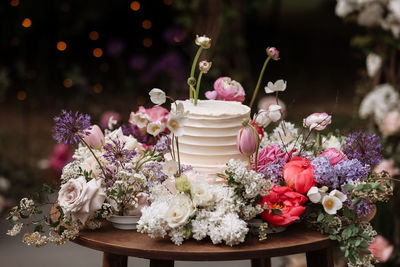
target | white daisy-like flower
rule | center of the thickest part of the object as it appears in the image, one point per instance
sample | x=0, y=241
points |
x=331, y=204
x=274, y=112
x=261, y=118
x=203, y=41
x=140, y=120
x=278, y=86
x=155, y=128
x=336, y=193
x=314, y=194
x=175, y=124
x=170, y=167
x=157, y=96
x=374, y=63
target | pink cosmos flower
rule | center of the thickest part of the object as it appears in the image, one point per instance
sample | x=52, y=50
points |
x=227, y=89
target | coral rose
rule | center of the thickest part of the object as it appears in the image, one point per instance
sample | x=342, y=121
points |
x=288, y=202
x=299, y=175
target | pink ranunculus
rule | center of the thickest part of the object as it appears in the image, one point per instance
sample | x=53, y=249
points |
x=60, y=157
x=156, y=113
x=335, y=155
x=317, y=121
x=387, y=165
x=95, y=138
x=390, y=124
x=273, y=53
x=247, y=141
x=227, y=89
x=269, y=154
x=105, y=118
x=299, y=174
x=381, y=249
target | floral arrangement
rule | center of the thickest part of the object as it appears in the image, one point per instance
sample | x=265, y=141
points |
x=326, y=180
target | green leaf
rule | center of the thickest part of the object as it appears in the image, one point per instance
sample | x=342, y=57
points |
x=320, y=217
x=346, y=253
x=39, y=228
x=276, y=211
x=359, y=187
x=357, y=243
x=48, y=189
x=333, y=237
x=348, y=187
x=355, y=201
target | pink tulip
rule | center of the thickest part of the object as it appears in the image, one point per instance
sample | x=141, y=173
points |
x=247, y=141
x=227, y=89
x=95, y=139
x=335, y=156
x=381, y=249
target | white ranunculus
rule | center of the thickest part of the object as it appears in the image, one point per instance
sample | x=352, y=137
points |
x=170, y=167
x=336, y=193
x=314, y=194
x=331, y=204
x=175, y=124
x=201, y=194
x=81, y=199
x=317, y=121
x=140, y=120
x=343, y=8
x=374, y=63
x=203, y=41
x=157, y=96
x=261, y=118
x=278, y=86
x=179, y=211
x=155, y=128
x=274, y=112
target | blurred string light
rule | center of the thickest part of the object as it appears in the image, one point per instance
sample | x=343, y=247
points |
x=26, y=23
x=135, y=5
x=97, y=52
x=61, y=46
x=146, y=24
x=67, y=83
x=93, y=35
x=14, y=3
x=21, y=95
x=168, y=2
x=147, y=42
x=97, y=88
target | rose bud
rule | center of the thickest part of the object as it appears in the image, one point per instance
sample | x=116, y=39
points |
x=317, y=121
x=95, y=138
x=273, y=53
x=247, y=141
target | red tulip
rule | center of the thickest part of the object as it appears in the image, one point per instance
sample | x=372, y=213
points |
x=247, y=141
x=299, y=175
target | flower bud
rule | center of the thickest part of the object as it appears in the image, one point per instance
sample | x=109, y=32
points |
x=203, y=41
x=273, y=53
x=247, y=141
x=95, y=138
x=205, y=66
x=191, y=81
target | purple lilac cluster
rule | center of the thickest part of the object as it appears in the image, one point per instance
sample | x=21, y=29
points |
x=349, y=171
x=324, y=172
x=363, y=208
x=163, y=145
x=367, y=148
x=117, y=154
x=273, y=170
x=186, y=168
x=70, y=128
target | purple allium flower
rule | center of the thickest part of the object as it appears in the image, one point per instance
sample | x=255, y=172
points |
x=70, y=128
x=273, y=170
x=324, y=173
x=367, y=148
x=163, y=145
x=349, y=171
x=117, y=154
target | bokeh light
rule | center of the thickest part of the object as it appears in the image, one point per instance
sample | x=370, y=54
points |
x=61, y=46
x=135, y=5
x=104, y=67
x=168, y=2
x=21, y=95
x=97, y=52
x=97, y=88
x=67, y=83
x=26, y=23
x=14, y=3
x=147, y=42
x=93, y=35
x=146, y=24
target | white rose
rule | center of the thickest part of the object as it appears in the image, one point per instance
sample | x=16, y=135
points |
x=157, y=96
x=80, y=199
x=90, y=165
x=180, y=210
x=202, y=194
x=278, y=86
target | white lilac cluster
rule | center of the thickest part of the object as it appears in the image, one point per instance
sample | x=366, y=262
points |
x=372, y=13
x=287, y=135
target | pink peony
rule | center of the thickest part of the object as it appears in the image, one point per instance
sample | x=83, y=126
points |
x=60, y=157
x=387, y=165
x=335, y=155
x=105, y=118
x=269, y=154
x=227, y=89
x=381, y=249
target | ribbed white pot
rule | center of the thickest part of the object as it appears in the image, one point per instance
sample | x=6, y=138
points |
x=255, y=224
x=124, y=222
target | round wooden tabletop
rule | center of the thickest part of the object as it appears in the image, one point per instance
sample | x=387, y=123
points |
x=131, y=243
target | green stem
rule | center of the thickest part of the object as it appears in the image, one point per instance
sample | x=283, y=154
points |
x=318, y=141
x=259, y=82
x=98, y=161
x=179, y=157
x=196, y=58
x=249, y=163
x=196, y=96
x=173, y=148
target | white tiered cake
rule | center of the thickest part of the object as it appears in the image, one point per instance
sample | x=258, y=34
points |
x=210, y=132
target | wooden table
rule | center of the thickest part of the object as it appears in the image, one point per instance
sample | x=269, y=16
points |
x=117, y=245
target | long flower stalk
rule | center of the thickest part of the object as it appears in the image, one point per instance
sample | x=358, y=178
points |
x=196, y=97
x=196, y=58
x=259, y=81
x=94, y=155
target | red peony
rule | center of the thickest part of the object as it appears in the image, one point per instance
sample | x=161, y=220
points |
x=299, y=175
x=283, y=206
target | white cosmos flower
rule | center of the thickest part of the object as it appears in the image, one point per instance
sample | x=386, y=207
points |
x=170, y=167
x=331, y=204
x=274, y=112
x=374, y=63
x=278, y=86
x=155, y=128
x=336, y=193
x=261, y=118
x=157, y=96
x=314, y=194
x=140, y=120
x=175, y=124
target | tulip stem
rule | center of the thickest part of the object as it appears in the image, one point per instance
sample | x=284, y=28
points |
x=179, y=157
x=259, y=81
x=250, y=163
x=196, y=96
x=196, y=58
x=318, y=141
x=95, y=157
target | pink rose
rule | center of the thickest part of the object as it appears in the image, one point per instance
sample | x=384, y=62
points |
x=105, y=118
x=95, y=138
x=387, y=165
x=299, y=174
x=269, y=154
x=335, y=155
x=247, y=141
x=381, y=249
x=317, y=121
x=390, y=124
x=227, y=89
